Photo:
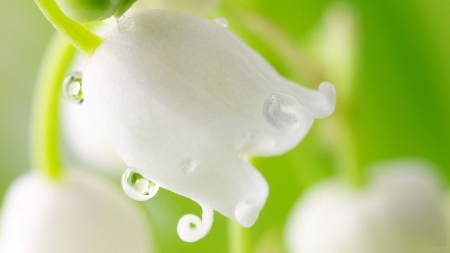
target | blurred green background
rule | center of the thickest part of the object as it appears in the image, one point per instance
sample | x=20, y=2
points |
x=399, y=104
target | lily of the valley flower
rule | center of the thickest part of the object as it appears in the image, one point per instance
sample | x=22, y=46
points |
x=401, y=211
x=80, y=213
x=183, y=101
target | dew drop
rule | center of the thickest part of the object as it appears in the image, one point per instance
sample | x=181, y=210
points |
x=72, y=88
x=282, y=111
x=188, y=166
x=221, y=21
x=138, y=187
x=125, y=24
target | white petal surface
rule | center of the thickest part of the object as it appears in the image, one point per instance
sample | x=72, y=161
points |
x=82, y=213
x=86, y=143
x=169, y=89
x=401, y=211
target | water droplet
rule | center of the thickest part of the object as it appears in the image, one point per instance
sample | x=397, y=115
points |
x=221, y=21
x=72, y=88
x=138, y=187
x=281, y=111
x=188, y=166
x=125, y=24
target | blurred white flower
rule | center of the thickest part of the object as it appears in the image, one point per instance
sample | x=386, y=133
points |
x=400, y=211
x=80, y=213
x=183, y=101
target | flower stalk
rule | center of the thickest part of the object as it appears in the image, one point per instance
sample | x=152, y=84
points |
x=45, y=149
x=80, y=37
x=238, y=238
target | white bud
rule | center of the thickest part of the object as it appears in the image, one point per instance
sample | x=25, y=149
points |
x=400, y=211
x=80, y=213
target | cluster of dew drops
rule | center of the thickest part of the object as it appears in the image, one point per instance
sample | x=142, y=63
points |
x=134, y=184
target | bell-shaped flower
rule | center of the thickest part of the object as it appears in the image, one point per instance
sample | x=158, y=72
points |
x=80, y=213
x=183, y=102
x=400, y=211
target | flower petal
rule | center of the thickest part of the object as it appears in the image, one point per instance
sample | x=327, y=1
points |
x=169, y=89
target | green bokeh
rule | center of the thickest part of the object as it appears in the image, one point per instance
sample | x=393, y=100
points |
x=400, y=105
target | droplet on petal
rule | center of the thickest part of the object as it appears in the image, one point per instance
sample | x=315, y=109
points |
x=73, y=87
x=221, y=21
x=188, y=166
x=279, y=110
x=125, y=24
x=181, y=87
x=138, y=187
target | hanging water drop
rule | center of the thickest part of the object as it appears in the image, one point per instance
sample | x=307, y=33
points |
x=72, y=88
x=282, y=111
x=221, y=21
x=138, y=187
x=125, y=24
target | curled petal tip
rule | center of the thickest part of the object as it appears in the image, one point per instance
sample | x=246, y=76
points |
x=329, y=92
x=246, y=214
x=191, y=228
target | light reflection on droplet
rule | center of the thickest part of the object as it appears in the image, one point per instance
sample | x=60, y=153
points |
x=280, y=111
x=138, y=187
x=73, y=87
x=223, y=22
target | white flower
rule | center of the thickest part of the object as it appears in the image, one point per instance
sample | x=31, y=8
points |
x=183, y=101
x=401, y=211
x=80, y=213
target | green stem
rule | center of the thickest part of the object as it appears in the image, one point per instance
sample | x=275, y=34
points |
x=345, y=150
x=238, y=238
x=83, y=39
x=45, y=150
x=295, y=61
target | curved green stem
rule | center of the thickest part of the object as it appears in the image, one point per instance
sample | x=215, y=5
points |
x=45, y=150
x=238, y=238
x=83, y=39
